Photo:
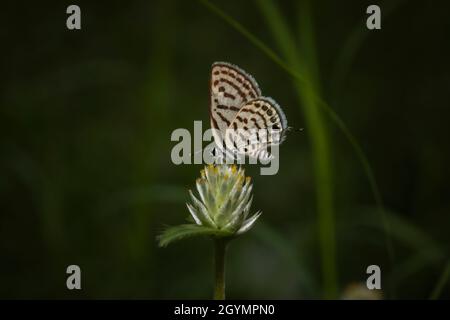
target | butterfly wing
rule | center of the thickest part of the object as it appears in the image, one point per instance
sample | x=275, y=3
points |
x=231, y=87
x=258, y=125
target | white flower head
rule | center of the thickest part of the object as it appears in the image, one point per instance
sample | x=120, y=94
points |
x=222, y=207
x=225, y=197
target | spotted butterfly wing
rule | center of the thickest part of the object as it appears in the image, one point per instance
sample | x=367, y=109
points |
x=243, y=122
x=259, y=124
x=231, y=88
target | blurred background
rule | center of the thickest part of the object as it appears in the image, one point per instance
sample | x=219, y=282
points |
x=86, y=176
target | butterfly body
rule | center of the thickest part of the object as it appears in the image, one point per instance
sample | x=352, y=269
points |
x=244, y=122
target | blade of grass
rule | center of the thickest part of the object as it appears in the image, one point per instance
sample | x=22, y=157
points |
x=425, y=250
x=370, y=177
x=304, y=61
x=352, y=44
x=441, y=282
x=289, y=252
x=406, y=270
x=155, y=92
x=253, y=39
x=335, y=117
x=322, y=149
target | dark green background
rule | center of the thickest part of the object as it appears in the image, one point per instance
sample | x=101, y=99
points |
x=85, y=170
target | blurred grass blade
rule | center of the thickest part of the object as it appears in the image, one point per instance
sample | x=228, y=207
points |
x=302, y=60
x=283, y=36
x=352, y=44
x=290, y=253
x=405, y=270
x=370, y=177
x=441, y=283
x=310, y=68
x=156, y=92
x=253, y=39
x=320, y=102
x=425, y=250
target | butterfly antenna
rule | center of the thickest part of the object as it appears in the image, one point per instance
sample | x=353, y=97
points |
x=294, y=129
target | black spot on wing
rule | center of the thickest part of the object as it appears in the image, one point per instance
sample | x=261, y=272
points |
x=223, y=118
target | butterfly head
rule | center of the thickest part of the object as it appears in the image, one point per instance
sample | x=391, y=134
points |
x=289, y=129
x=293, y=129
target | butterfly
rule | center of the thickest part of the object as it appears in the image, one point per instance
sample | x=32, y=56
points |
x=244, y=122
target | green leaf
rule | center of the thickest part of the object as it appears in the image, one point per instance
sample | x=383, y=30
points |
x=183, y=231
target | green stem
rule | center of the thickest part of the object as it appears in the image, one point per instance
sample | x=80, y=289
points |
x=220, y=246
